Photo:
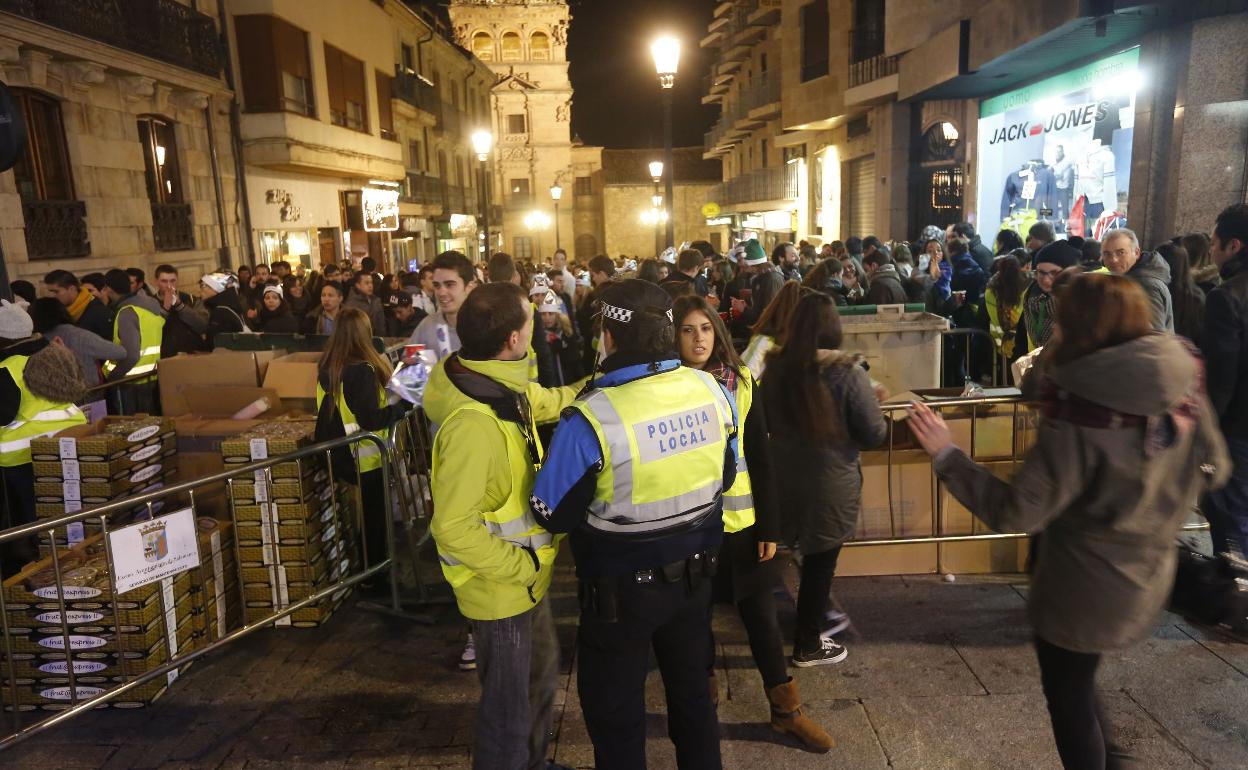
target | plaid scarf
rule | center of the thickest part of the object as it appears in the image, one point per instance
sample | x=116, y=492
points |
x=724, y=374
x=1038, y=314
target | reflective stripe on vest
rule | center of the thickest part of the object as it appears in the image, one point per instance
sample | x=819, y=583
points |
x=367, y=455
x=36, y=417
x=739, y=500
x=151, y=329
x=662, y=470
x=513, y=521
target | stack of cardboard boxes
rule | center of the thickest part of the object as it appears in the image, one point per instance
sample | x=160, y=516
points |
x=91, y=465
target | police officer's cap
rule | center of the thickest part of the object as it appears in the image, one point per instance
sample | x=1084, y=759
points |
x=633, y=302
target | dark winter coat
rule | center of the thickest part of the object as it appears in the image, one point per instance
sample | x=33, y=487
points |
x=1152, y=273
x=1108, y=491
x=982, y=254
x=819, y=483
x=885, y=287
x=225, y=315
x=1225, y=347
x=96, y=318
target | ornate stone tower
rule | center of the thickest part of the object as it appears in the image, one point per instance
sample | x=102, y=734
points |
x=525, y=43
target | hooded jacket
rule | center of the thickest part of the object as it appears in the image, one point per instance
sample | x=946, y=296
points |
x=472, y=474
x=225, y=315
x=1225, y=345
x=1109, y=490
x=128, y=333
x=886, y=287
x=1153, y=275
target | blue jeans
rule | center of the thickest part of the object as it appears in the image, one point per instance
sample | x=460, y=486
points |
x=518, y=666
x=1227, y=508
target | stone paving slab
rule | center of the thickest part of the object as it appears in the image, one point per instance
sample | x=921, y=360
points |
x=939, y=675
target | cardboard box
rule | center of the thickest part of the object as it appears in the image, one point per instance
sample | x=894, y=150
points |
x=293, y=376
x=116, y=441
x=220, y=368
x=902, y=509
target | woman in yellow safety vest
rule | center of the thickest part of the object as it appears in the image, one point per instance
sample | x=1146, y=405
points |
x=769, y=331
x=1003, y=305
x=351, y=397
x=747, y=573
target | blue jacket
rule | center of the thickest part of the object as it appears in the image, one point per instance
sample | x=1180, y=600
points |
x=566, y=482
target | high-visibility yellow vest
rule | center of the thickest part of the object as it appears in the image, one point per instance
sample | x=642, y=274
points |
x=367, y=454
x=663, y=439
x=151, y=329
x=514, y=521
x=36, y=417
x=1004, y=342
x=739, y=500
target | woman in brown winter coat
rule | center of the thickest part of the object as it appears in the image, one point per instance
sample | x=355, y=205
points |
x=1127, y=442
x=821, y=410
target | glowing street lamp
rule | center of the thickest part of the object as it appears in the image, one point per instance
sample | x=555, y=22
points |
x=656, y=170
x=482, y=141
x=556, y=193
x=666, y=52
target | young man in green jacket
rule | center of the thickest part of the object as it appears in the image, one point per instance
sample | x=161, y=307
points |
x=497, y=558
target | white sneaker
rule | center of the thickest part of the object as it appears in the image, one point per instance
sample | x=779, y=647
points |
x=837, y=622
x=468, y=658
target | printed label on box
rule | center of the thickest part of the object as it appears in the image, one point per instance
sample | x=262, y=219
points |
x=143, y=434
x=72, y=617
x=259, y=449
x=71, y=592
x=71, y=470
x=76, y=642
x=145, y=453
x=69, y=448
x=74, y=532
x=145, y=473
x=149, y=551
x=62, y=693
x=72, y=490
x=80, y=667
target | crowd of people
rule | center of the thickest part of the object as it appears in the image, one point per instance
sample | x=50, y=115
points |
x=682, y=418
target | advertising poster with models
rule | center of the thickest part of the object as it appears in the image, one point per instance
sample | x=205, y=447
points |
x=1060, y=150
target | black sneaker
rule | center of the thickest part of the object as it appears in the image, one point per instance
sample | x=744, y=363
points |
x=827, y=652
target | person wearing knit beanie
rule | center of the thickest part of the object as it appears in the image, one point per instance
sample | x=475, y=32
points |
x=15, y=322
x=1058, y=253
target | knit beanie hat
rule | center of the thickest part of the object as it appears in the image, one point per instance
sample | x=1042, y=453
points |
x=273, y=288
x=15, y=323
x=754, y=254
x=53, y=373
x=1058, y=253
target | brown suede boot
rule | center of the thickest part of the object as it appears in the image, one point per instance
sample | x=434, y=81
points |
x=787, y=717
x=712, y=684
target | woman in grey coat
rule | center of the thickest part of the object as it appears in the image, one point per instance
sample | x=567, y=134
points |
x=52, y=321
x=1127, y=441
x=821, y=410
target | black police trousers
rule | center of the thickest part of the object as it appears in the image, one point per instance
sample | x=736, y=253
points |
x=612, y=660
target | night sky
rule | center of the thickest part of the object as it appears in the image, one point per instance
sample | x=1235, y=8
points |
x=617, y=102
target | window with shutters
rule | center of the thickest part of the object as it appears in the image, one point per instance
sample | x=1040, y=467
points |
x=415, y=155
x=171, y=216
x=584, y=185
x=344, y=75
x=55, y=223
x=815, y=35
x=516, y=124
x=524, y=248
x=861, y=199
x=385, y=116
x=275, y=70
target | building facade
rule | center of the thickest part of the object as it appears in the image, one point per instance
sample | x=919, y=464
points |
x=890, y=116
x=634, y=227
x=525, y=43
x=129, y=160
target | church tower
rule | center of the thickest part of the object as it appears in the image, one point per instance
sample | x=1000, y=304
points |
x=525, y=43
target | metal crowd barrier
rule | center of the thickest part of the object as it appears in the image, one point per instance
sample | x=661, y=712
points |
x=939, y=515
x=103, y=513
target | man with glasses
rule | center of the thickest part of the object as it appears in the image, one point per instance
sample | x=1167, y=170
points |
x=1121, y=255
x=1038, y=308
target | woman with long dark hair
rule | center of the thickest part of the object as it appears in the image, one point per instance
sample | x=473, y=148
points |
x=1007, y=242
x=747, y=572
x=771, y=327
x=1126, y=443
x=1187, y=298
x=821, y=410
x=1003, y=305
x=351, y=397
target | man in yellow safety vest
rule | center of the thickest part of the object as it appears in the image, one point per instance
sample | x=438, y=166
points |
x=138, y=326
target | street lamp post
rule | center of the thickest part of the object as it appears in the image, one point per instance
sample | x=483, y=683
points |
x=656, y=173
x=481, y=143
x=556, y=193
x=666, y=53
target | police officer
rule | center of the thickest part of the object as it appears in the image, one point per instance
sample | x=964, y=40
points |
x=636, y=473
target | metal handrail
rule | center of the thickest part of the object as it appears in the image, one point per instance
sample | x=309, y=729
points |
x=384, y=445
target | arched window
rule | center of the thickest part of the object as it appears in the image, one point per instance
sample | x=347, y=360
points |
x=512, y=49
x=539, y=46
x=483, y=46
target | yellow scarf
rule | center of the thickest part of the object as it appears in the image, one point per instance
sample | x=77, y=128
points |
x=79, y=305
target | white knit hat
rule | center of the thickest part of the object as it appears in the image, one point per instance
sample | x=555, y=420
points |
x=273, y=288
x=550, y=304
x=15, y=323
x=541, y=285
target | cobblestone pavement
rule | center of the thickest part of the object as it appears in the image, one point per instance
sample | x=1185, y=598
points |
x=939, y=675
